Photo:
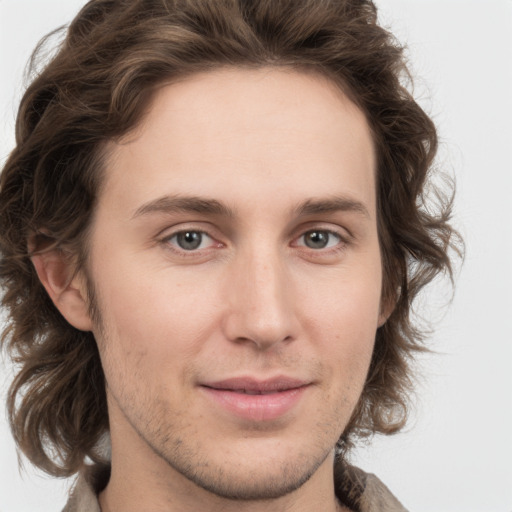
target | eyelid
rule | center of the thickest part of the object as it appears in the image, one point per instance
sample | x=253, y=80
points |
x=202, y=233
x=329, y=232
x=166, y=235
x=343, y=235
x=340, y=231
x=326, y=255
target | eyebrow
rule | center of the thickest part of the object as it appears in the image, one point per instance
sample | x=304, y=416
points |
x=331, y=205
x=206, y=206
x=193, y=204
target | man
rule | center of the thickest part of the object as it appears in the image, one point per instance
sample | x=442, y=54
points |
x=211, y=239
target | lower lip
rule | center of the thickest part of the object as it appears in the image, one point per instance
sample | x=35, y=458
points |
x=257, y=407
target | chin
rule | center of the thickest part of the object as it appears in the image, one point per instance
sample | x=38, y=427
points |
x=243, y=481
x=254, y=469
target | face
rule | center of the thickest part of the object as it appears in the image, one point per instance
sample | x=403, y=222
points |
x=236, y=265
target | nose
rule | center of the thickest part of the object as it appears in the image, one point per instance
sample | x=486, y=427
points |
x=261, y=304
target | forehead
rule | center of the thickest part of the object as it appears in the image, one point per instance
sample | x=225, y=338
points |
x=248, y=128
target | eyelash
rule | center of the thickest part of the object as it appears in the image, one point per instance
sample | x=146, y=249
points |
x=166, y=241
x=341, y=245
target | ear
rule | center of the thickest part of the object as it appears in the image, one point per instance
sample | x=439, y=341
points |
x=387, y=306
x=66, y=288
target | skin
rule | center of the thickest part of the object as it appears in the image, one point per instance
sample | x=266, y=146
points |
x=259, y=297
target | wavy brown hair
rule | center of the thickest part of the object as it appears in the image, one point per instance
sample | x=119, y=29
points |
x=97, y=87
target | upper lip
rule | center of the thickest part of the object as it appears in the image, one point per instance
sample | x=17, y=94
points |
x=254, y=385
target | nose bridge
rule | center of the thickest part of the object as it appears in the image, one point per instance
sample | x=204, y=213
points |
x=261, y=305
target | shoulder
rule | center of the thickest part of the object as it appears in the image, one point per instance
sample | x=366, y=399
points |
x=363, y=492
x=84, y=494
x=82, y=498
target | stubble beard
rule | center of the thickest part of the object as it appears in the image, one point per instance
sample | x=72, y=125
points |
x=231, y=481
x=236, y=481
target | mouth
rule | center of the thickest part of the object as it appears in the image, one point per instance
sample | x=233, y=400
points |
x=254, y=399
x=253, y=392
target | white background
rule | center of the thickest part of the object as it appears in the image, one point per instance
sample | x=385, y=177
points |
x=456, y=454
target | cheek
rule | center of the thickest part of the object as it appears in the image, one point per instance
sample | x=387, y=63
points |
x=155, y=317
x=343, y=321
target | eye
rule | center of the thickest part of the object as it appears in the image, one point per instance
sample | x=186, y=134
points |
x=190, y=240
x=319, y=239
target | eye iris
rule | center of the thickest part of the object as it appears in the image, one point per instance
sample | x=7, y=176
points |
x=316, y=239
x=189, y=240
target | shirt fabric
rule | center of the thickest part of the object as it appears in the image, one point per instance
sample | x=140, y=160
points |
x=360, y=491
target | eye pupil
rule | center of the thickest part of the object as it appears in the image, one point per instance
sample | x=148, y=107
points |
x=189, y=240
x=316, y=239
